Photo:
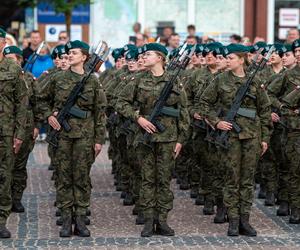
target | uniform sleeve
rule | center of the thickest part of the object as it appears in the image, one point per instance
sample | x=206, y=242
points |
x=207, y=102
x=184, y=119
x=264, y=113
x=21, y=103
x=192, y=89
x=125, y=102
x=100, y=117
x=275, y=89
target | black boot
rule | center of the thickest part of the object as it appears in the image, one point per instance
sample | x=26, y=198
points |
x=283, y=209
x=270, y=199
x=123, y=195
x=233, y=228
x=208, y=207
x=128, y=200
x=164, y=229
x=66, y=230
x=80, y=228
x=88, y=212
x=17, y=207
x=199, y=200
x=221, y=213
x=295, y=216
x=262, y=192
x=148, y=228
x=245, y=228
x=4, y=233
x=194, y=193
x=140, y=220
x=50, y=167
x=135, y=210
x=184, y=185
x=58, y=212
x=86, y=220
x=59, y=221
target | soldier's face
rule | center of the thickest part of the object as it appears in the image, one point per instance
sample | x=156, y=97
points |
x=132, y=65
x=275, y=58
x=288, y=59
x=12, y=56
x=119, y=64
x=210, y=59
x=297, y=54
x=151, y=58
x=64, y=62
x=234, y=62
x=57, y=62
x=221, y=62
x=76, y=57
x=2, y=43
x=141, y=63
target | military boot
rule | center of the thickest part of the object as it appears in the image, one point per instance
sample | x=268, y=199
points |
x=80, y=228
x=58, y=212
x=59, y=221
x=199, y=200
x=4, y=233
x=283, y=209
x=17, y=207
x=66, y=229
x=270, y=199
x=88, y=212
x=140, y=220
x=262, y=192
x=194, y=193
x=86, y=220
x=123, y=195
x=295, y=216
x=135, y=210
x=245, y=228
x=233, y=228
x=184, y=185
x=148, y=228
x=208, y=207
x=221, y=212
x=51, y=167
x=128, y=200
x=164, y=229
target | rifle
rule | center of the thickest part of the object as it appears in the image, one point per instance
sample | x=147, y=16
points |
x=69, y=110
x=221, y=138
x=29, y=64
x=159, y=108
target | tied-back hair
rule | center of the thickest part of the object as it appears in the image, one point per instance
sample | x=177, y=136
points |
x=86, y=53
x=245, y=56
x=164, y=58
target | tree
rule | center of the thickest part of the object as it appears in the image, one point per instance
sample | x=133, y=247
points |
x=60, y=6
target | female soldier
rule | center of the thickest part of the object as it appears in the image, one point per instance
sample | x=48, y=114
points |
x=77, y=148
x=241, y=157
x=157, y=159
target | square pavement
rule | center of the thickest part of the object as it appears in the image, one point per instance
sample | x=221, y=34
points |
x=113, y=225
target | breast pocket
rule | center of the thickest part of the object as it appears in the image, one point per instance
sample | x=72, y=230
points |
x=87, y=97
x=227, y=94
x=62, y=91
x=174, y=97
x=145, y=94
x=6, y=87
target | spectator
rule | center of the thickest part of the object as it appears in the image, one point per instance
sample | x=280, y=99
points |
x=35, y=40
x=42, y=63
x=258, y=39
x=246, y=41
x=141, y=40
x=63, y=38
x=174, y=42
x=167, y=32
x=234, y=38
x=205, y=39
x=162, y=40
x=25, y=42
x=191, y=30
x=292, y=35
x=191, y=40
x=10, y=40
x=147, y=33
x=137, y=27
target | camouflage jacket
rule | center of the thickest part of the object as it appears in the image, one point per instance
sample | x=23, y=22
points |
x=57, y=92
x=284, y=93
x=222, y=92
x=13, y=100
x=143, y=90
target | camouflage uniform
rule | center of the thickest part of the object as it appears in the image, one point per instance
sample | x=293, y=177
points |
x=19, y=173
x=75, y=152
x=241, y=158
x=157, y=161
x=13, y=116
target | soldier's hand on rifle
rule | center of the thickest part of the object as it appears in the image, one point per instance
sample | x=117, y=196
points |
x=275, y=117
x=222, y=125
x=97, y=149
x=35, y=133
x=53, y=121
x=264, y=147
x=177, y=149
x=145, y=124
x=17, y=145
x=197, y=116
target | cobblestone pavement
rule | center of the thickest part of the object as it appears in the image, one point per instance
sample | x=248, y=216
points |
x=112, y=224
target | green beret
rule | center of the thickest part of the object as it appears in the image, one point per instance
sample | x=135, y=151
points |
x=296, y=44
x=116, y=53
x=199, y=48
x=128, y=47
x=259, y=45
x=2, y=33
x=58, y=51
x=251, y=48
x=287, y=48
x=210, y=47
x=140, y=50
x=76, y=45
x=219, y=51
x=156, y=47
x=132, y=54
x=278, y=46
x=235, y=48
x=12, y=50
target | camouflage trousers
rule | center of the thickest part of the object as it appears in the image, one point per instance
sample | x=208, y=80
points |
x=157, y=164
x=124, y=169
x=7, y=159
x=292, y=153
x=240, y=161
x=53, y=162
x=19, y=173
x=217, y=172
x=134, y=174
x=75, y=158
